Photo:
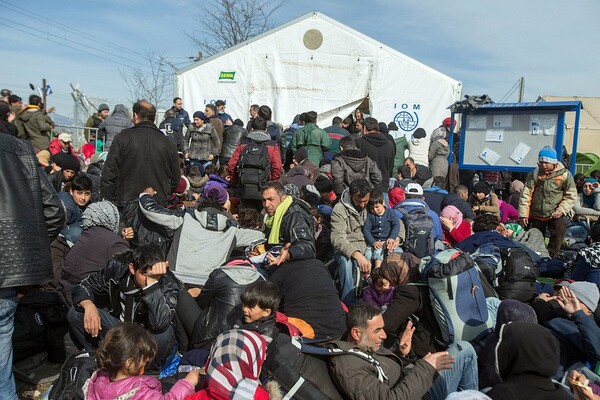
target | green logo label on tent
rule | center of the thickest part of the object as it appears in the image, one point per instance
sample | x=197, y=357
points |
x=227, y=76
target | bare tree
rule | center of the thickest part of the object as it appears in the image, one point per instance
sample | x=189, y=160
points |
x=149, y=81
x=229, y=22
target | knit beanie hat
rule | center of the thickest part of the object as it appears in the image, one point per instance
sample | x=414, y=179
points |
x=587, y=293
x=66, y=161
x=419, y=133
x=216, y=193
x=103, y=107
x=201, y=115
x=548, y=154
x=301, y=154
x=292, y=190
x=392, y=126
x=590, y=180
x=184, y=185
x=383, y=128
x=481, y=187
x=323, y=184
x=516, y=186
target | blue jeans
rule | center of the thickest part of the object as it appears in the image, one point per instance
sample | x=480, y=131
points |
x=8, y=306
x=462, y=376
x=346, y=276
x=373, y=254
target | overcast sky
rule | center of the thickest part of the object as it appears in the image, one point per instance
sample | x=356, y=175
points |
x=486, y=45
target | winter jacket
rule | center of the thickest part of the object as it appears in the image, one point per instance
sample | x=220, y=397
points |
x=489, y=204
x=94, y=249
x=219, y=127
x=152, y=307
x=272, y=150
x=220, y=300
x=298, y=229
x=350, y=165
x=94, y=172
x=224, y=117
x=34, y=125
x=114, y=124
x=458, y=234
x=315, y=139
x=140, y=157
x=336, y=133
x=587, y=264
x=527, y=358
x=544, y=194
x=142, y=387
x=581, y=209
x=181, y=121
x=200, y=143
x=357, y=378
x=373, y=296
x=411, y=204
x=308, y=293
x=202, y=241
x=93, y=121
x=55, y=148
x=31, y=216
x=8, y=128
x=346, y=227
x=381, y=227
x=381, y=150
x=418, y=150
x=232, y=136
x=507, y=212
x=438, y=157
x=453, y=199
x=434, y=196
x=401, y=145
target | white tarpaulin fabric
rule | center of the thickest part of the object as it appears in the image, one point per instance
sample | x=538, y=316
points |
x=316, y=64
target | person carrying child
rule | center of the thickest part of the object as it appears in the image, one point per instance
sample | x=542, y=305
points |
x=122, y=359
x=381, y=229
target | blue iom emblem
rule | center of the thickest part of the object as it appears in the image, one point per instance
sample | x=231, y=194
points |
x=406, y=120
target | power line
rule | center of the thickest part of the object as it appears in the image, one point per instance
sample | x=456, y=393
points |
x=510, y=92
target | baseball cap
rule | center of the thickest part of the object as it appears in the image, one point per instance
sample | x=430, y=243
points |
x=414, y=188
x=65, y=137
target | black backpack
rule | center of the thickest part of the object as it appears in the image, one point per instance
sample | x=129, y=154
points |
x=419, y=238
x=518, y=276
x=254, y=168
x=73, y=374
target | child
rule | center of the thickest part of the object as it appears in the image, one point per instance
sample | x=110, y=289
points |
x=380, y=291
x=483, y=200
x=122, y=358
x=260, y=301
x=381, y=228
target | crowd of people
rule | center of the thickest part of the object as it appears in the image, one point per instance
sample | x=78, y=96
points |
x=201, y=244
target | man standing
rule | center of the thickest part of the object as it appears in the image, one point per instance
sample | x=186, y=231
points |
x=211, y=113
x=347, y=220
x=253, y=112
x=549, y=194
x=369, y=371
x=96, y=119
x=380, y=149
x=352, y=164
x=34, y=124
x=314, y=139
x=222, y=115
x=336, y=133
x=31, y=217
x=140, y=157
x=182, y=118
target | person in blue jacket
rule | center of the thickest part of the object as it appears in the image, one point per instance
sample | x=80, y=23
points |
x=414, y=199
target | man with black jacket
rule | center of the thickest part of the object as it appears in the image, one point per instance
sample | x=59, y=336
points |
x=140, y=157
x=31, y=217
x=232, y=136
x=380, y=149
x=288, y=223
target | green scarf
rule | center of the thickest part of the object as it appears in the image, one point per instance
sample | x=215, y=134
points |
x=274, y=222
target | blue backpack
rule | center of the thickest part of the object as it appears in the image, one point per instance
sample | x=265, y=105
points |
x=457, y=295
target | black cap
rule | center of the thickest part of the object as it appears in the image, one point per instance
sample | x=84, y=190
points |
x=5, y=92
x=13, y=98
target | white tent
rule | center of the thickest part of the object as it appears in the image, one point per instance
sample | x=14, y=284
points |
x=316, y=63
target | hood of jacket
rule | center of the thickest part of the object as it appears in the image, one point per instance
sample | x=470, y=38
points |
x=241, y=274
x=346, y=200
x=259, y=136
x=28, y=112
x=526, y=348
x=120, y=110
x=418, y=141
x=212, y=219
x=355, y=159
x=376, y=139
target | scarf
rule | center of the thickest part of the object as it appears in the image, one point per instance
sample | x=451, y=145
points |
x=591, y=255
x=400, y=268
x=274, y=222
x=234, y=365
x=103, y=213
x=453, y=214
x=590, y=200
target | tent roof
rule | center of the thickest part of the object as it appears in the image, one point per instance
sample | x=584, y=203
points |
x=329, y=20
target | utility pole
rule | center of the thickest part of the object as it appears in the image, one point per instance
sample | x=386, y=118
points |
x=44, y=92
x=521, y=89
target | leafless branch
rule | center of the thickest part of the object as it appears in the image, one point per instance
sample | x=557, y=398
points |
x=148, y=83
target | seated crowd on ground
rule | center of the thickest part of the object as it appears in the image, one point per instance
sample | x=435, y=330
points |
x=210, y=244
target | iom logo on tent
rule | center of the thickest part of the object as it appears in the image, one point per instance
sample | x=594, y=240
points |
x=406, y=120
x=227, y=76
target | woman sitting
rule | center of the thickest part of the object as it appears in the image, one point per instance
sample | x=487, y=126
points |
x=455, y=228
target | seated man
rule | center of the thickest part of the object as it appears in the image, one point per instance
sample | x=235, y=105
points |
x=347, y=220
x=289, y=222
x=140, y=288
x=418, y=173
x=374, y=372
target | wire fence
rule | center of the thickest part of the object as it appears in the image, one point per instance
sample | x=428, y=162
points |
x=81, y=135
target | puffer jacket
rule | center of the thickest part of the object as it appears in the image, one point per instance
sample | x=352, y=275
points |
x=200, y=143
x=544, y=194
x=232, y=136
x=220, y=300
x=350, y=165
x=31, y=216
x=346, y=227
x=418, y=150
x=114, y=124
x=438, y=157
x=35, y=125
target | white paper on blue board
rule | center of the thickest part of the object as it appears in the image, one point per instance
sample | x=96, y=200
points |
x=489, y=156
x=477, y=122
x=520, y=152
x=494, y=135
x=543, y=124
x=502, y=121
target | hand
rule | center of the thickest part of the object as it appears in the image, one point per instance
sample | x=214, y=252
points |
x=363, y=263
x=150, y=191
x=11, y=117
x=193, y=377
x=228, y=122
x=91, y=318
x=390, y=244
x=51, y=110
x=447, y=222
x=405, y=343
x=567, y=300
x=557, y=214
x=127, y=233
x=439, y=361
x=194, y=291
x=475, y=208
x=186, y=155
x=156, y=271
x=284, y=255
x=211, y=157
x=378, y=244
x=524, y=221
x=546, y=297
